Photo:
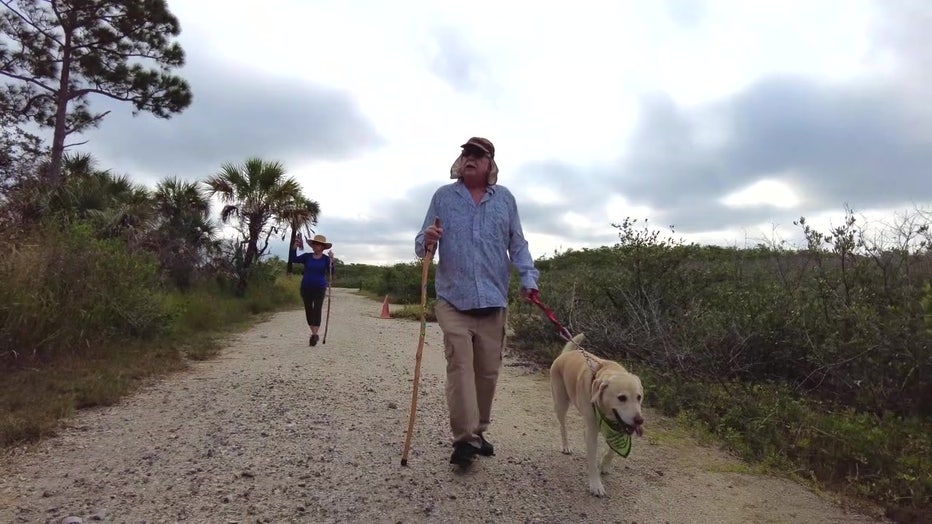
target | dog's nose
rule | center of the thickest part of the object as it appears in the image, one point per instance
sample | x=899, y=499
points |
x=638, y=420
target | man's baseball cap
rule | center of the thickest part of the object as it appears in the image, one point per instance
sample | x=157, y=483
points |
x=480, y=143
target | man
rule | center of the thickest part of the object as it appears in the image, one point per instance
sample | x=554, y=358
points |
x=479, y=239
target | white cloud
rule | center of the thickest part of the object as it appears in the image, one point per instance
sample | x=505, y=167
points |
x=560, y=89
x=766, y=192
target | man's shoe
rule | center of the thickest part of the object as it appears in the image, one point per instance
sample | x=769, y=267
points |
x=463, y=452
x=486, y=449
x=314, y=339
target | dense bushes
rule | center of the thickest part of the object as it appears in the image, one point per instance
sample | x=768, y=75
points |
x=849, y=329
x=82, y=319
x=356, y=276
x=64, y=291
x=400, y=282
x=819, y=359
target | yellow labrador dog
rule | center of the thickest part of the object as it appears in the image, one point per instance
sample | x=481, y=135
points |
x=599, y=383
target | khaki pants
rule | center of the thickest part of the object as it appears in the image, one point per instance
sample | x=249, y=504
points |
x=473, y=347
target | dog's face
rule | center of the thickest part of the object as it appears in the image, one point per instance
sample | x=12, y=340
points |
x=618, y=396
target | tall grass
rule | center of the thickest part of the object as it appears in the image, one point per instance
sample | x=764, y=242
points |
x=83, y=322
x=68, y=291
x=208, y=309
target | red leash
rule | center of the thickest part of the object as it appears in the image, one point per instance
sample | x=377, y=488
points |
x=564, y=333
x=534, y=296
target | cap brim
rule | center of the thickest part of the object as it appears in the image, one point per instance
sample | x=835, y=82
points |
x=477, y=146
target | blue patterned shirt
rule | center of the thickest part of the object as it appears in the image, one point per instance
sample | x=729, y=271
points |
x=479, y=245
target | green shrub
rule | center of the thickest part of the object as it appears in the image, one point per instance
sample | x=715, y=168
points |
x=884, y=459
x=68, y=290
x=209, y=308
x=818, y=360
x=355, y=276
x=401, y=282
x=413, y=311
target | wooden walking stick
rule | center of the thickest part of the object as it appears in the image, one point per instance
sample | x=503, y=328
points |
x=425, y=270
x=329, y=293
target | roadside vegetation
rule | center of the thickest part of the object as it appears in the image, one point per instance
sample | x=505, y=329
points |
x=107, y=282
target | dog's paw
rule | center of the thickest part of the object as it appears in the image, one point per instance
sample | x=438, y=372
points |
x=566, y=450
x=596, y=488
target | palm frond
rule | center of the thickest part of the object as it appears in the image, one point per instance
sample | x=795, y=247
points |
x=228, y=212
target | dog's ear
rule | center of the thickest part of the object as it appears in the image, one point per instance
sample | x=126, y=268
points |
x=598, y=386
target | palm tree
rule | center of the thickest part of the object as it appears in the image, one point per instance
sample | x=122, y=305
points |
x=176, y=199
x=299, y=213
x=253, y=194
x=185, y=233
x=114, y=205
x=127, y=215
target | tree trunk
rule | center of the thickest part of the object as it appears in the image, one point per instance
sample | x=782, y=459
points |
x=294, y=236
x=54, y=175
x=252, y=247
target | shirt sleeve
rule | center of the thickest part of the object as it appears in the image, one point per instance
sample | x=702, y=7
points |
x=294, y=257
x=419, y=248
x=519, y=252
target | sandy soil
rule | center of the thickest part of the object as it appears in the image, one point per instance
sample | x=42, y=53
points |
x=275, y=431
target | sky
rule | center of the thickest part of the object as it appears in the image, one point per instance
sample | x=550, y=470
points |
x=727, y=120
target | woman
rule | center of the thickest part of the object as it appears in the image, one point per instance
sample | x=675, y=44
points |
x=317, y=266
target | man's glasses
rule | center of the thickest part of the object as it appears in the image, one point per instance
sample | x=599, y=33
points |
x=473, y=152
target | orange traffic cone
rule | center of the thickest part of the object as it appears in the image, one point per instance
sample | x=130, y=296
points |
x=385, y=313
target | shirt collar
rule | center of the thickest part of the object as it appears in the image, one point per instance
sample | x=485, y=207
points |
x=461, y=187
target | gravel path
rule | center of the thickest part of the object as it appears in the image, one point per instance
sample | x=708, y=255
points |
x=275, y=431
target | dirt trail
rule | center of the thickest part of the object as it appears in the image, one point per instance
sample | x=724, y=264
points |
x=275, y=431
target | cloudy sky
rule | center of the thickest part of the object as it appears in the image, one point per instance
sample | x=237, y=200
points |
x=726, y=119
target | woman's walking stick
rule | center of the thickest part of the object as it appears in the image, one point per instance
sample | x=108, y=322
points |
x=329, y=292
x=425, y=270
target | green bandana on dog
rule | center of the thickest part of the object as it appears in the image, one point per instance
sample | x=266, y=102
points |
x=618, y=440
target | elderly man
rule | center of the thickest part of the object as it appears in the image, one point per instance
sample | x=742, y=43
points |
x=479, y=238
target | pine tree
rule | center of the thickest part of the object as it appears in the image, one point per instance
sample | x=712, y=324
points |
x=56, y=53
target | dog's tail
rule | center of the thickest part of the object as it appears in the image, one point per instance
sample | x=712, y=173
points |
x=575, y=343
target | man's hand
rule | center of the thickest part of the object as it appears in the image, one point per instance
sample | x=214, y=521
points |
x=528, y=294
x=432, y=234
